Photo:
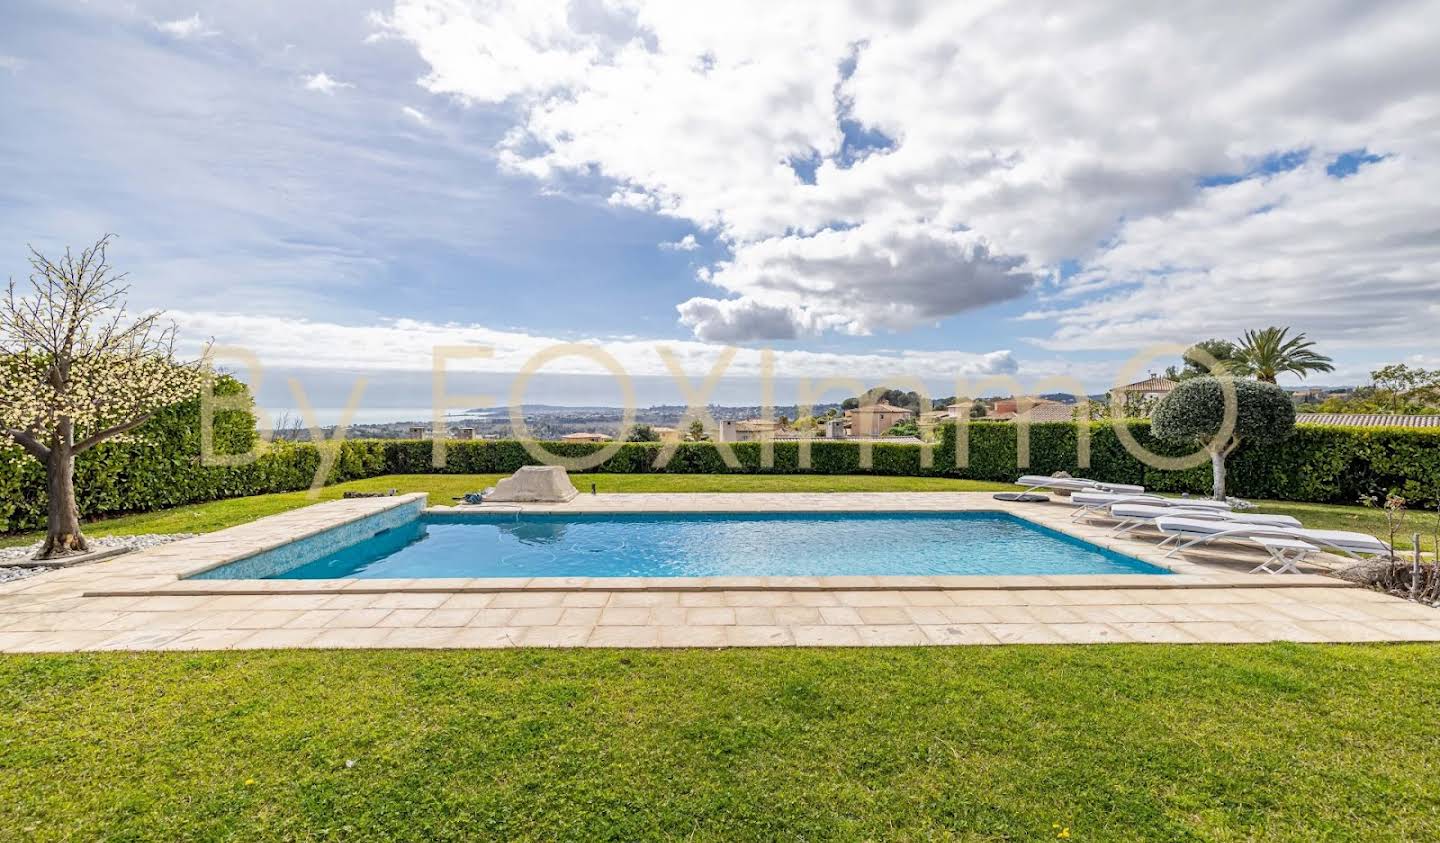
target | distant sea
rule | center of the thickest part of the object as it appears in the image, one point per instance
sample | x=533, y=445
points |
x=362, y=415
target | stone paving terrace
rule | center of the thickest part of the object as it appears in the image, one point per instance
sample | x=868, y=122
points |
x=142, y=601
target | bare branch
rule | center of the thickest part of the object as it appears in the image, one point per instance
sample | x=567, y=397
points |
x=71, y=354
x=96, y=438
x=29, y=443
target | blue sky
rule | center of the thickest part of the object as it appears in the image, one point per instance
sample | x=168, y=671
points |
x=929, y=189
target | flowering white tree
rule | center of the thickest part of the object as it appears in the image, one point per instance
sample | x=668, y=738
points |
x=76, y=370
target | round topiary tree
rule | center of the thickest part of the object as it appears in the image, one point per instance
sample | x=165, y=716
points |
x=1194, y=412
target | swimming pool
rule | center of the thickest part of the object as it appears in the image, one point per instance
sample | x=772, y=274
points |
x=407, y=544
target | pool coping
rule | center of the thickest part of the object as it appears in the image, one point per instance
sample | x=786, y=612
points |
x=163, y=571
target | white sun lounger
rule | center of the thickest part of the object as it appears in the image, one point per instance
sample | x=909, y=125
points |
x=1092, y=503
x=1188, y=532
x=1135, y=515
x=1346, y=541
x=1285, y=555
x=1074, y=484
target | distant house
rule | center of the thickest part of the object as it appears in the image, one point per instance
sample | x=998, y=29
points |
x=747, y=430
x=1368, y=420
x=1003, y=408
x=585, y=437
x=1150, y=389
x=1038, y=410
x=875, y=419
x=666, y=434
x=1048, y=411
x=756, y=430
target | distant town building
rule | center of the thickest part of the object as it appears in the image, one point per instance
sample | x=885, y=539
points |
x=464, y=433
x=875, y=419
x=1002, y=407
x=1036, y=410
x=585, y=437
x=755, y=430
x=419, y=432
x=747, y=430
x=1151, y=389
x=1048, y=411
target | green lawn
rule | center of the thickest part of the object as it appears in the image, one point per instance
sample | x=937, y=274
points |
x=1275, y=742
x=205, y=517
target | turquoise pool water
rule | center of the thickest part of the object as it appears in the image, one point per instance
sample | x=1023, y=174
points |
x=697, y=545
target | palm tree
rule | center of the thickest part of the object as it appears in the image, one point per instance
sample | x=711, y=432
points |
x=1265, y=354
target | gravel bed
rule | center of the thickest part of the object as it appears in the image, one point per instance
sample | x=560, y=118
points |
x=13, y=554
x=8, y=574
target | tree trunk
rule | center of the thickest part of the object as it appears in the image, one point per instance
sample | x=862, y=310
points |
x=1217, y=468
x=63, y=534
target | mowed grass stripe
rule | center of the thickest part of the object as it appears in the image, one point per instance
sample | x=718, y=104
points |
x=1273, y=742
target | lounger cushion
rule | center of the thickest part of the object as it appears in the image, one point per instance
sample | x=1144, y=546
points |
x=1076, y=483
x=1055, y=482
x=1344, y=538
x=1140, y=510
x=1110, y=498
x=1208, y=526
x=1094, y=498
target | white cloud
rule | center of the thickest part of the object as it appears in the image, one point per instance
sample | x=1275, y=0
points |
x=408, y=345
x=323, y=83
x=495, y=50
x=1354, y=262
x=688, y=243
x=415, y=114
x=880, y=275
x=11, y=63
x=191, y=27
x=998, y=142
x=637, y=200
x=740, y=320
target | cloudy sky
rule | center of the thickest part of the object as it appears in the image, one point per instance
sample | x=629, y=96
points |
x=871, y=189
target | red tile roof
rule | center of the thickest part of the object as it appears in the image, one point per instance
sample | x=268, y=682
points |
x=1368, y=420
x=1149, y=385
x=1046, y=411
x=881, y=408
x=1050, y=411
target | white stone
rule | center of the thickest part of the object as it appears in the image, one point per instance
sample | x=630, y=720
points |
x=12, y=555
x=534, y=484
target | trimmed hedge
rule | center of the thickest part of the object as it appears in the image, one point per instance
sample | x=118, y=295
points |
x=1318, y=463
x=161, y=467
x=506, y=455
x=158, y=467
